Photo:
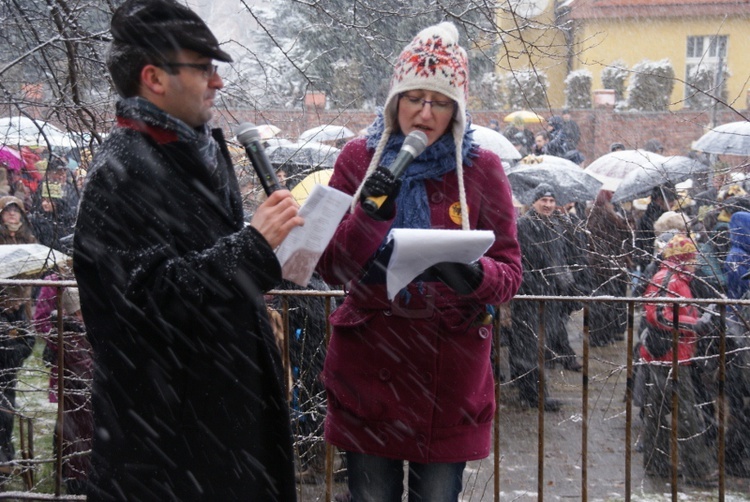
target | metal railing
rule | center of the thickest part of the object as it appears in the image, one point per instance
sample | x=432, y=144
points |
x=26, y=467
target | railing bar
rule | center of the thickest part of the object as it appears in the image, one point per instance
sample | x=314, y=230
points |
x=496, y=424
x=329, y=447
x=674, y=458
x=540, y=406
x=721, y=398
x=59, y=426
x=585, y=406
x=629, y=404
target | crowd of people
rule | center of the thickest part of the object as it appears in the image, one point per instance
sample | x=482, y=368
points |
x=173, y=266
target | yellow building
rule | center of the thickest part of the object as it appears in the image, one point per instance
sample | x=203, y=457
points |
x=691, y=34
x=532, y=38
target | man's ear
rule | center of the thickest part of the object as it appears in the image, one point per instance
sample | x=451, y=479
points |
x=153, y=79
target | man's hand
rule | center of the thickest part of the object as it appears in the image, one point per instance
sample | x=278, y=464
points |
x=276, y=217
x=378, y=195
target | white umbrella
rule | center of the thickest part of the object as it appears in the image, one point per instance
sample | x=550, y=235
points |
x=28, y=259
x=267, y=131
x=495, y=142
x=612, y=168
x=727, y=139
x=23, y=131
x=326, y=133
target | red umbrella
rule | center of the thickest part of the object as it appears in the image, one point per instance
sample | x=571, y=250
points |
x=11, y=158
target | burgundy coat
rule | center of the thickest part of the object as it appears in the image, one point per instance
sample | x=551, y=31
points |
x=414, y=381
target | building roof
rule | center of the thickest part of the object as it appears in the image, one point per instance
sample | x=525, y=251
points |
x=610, y=9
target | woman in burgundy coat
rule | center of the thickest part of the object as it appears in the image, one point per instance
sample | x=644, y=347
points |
x=410, y=379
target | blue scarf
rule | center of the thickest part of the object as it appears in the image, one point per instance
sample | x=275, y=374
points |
x=437, y=160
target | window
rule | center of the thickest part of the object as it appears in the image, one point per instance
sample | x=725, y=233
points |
x=705, y=68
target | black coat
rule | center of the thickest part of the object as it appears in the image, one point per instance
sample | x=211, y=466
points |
x=188, y=400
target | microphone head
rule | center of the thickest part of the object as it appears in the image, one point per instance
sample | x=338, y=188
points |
x=416, y=141
x=246, y=133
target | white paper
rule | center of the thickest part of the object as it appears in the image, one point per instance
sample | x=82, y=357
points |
x=301, y=250
x=415, y=250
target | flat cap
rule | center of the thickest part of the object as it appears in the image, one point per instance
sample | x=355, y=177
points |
x=161, y=25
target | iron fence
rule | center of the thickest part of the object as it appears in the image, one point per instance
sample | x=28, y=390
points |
x=36, y=472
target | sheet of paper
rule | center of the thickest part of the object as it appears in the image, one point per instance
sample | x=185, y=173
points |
x=301, y=250
x=415, y=250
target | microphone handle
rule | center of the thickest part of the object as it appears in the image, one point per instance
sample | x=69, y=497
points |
x=397, y=168
x=262, y=166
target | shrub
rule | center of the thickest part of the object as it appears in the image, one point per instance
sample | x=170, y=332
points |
x=578, y=89
x=651, y=86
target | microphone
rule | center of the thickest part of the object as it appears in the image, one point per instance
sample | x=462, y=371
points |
x=249, y=137
x=414, y=144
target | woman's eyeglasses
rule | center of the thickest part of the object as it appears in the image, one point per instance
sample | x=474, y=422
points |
x=438, y=107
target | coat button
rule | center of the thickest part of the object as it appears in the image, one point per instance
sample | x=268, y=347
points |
x=427, y=378
x=437, y=197
x=384, y=374
x=484, y=332
x=387, y=313
x=421, y=439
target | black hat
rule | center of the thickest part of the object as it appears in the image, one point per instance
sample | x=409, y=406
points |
x=164, y=25
x=543, y=190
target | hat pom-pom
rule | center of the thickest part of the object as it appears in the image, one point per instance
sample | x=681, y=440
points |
x=446, y=30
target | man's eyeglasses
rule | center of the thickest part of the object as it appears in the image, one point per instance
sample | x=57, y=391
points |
x=208, y=69
x=438, y=107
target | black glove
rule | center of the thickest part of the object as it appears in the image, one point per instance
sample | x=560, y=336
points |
x=381, y=184
x=462, y=278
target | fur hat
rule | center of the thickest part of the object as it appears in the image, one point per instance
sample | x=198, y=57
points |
x=680, y=249
x=671, y=220
x=432, y=61
x=8, y=200
x=164, y=25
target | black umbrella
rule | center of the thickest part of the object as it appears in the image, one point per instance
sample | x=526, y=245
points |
x=570, y=182
x=639, y=182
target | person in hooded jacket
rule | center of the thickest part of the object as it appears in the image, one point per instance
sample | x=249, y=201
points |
x=737, y=263
x=696, y=452
x=14, y=224
x=411, y=379
x=188, y=396
x=558, y=144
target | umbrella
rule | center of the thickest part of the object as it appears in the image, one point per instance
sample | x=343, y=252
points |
x=495, y=142
x=611, y=168
x=326, y=133
x=729, y=139
x=24, y=131
x=267, y=131
x=11, y=158
x=571, y=184
x=304, y=187
x=309, y=154
x=527, y=117
x=639, y=182
x=28, y=259
x=549, y=161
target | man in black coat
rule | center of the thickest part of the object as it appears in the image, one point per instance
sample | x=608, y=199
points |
x=543, y=249
x=187, y=396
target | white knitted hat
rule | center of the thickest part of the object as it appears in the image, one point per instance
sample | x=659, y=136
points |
x=433, y=61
